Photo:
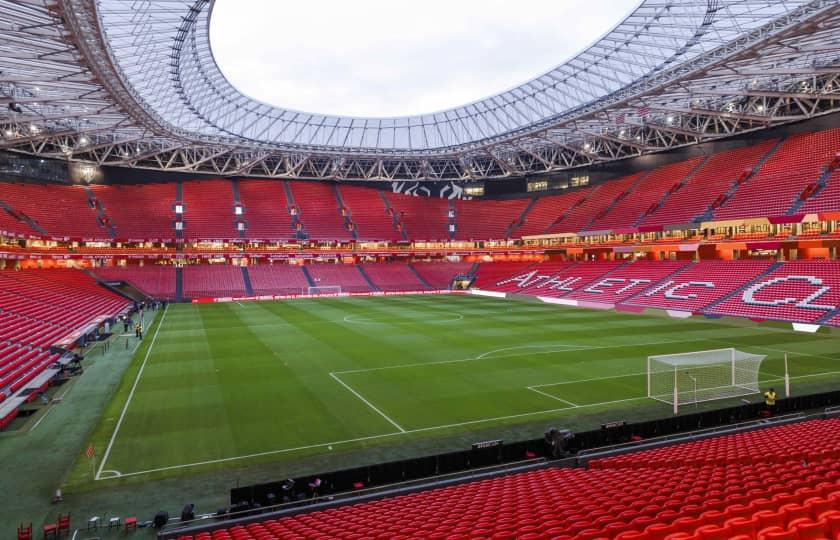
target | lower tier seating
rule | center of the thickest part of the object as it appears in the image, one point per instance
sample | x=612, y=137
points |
x=40, y=308
x=627, y=281
x=439, y=275
x=393, y=277
x=797, y=291
x=699, y=284
x=154, y=281
x=345, y=276
x=277, y=279
x=772, y=499
x=213, y=281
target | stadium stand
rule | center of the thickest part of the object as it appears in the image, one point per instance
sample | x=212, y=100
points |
x=595, y=205
x=797, y=291
x=797, y=163
x=827, y=199
x=735, y=487
x=645, y=196
x=154, y=281
x=554, y=279
x=60, y=211
x=12, y=225
x=345, y=276
x=627, y=281
x=699, y=285
x=487, y=220
x=209, y=281
x=39, y=309
x=708, y=185
x=209, y=210
x=265, y=210
x=278, y=279
x=139, y=212
x=439, y=275
x=545, y=211
x=422, y=218
x=369, y=214
x=319, y=211
x=393, y=277
x=489, y=274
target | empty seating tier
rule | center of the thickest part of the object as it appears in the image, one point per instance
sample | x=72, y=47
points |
x=598, y=200
x=422, y=218
x=139, y=212
x=265, y=210
x=319, y=211
x=154, y=281
x=279, y=279
x=797, y=291
x=368, y=212
x=737, y=499
x=699, y=285
x=545, y=212
x=393, y=277
x=627, y=281
x=439, y=275
x=345, y=276
x=487, y=220
x=213, y=281
x=61, y=211
x=774, y=189
x=645, y=196
x=209, y=210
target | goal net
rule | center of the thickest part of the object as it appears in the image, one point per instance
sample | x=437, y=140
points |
x=694, y=377
x=325, y=289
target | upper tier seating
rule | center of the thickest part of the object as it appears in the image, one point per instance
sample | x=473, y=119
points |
x=11, y=225
x=319, y=211
x=439, y=275
x=545, y=212
x=213, y=281
x=369, y=214
x=798, y=291
x=627, y=281
x=424, y=218
x=277, y=279
x=699, y=285
x=209, y=210
x=776, y=186
x=804, y=441
x=598, y=200
x=827, y=200
x=740, y=500
x=346, y=276
x=487, y=220
x=393, y=277
x=705, y=186
x=265, y=210
x=139, y=212
x=155, y=281
x=62, y=211
x=647, y=193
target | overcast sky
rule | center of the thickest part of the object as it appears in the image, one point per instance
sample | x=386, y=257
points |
x=397, y=57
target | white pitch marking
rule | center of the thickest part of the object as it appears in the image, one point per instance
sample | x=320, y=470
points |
x=111, y=473
x=42, y=418
x=351, y=319
x=131, y=394
x=366, y=402
x=546, y=394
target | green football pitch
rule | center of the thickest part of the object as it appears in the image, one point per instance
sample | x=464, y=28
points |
x=234, y=385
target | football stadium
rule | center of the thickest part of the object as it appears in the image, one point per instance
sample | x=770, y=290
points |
x=603, y=303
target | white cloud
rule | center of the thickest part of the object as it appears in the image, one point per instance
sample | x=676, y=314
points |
x=393, y=57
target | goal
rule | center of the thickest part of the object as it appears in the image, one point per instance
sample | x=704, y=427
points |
x=694, y=377
x=325, y=289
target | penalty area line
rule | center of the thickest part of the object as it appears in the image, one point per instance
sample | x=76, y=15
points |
x=130, y=396
x=368, y=403
x=546, y=394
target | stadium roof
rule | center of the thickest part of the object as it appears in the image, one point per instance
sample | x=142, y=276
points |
x=134, y=83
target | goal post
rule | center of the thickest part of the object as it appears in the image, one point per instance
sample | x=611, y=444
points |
x=695, y=377
x=324, y=289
